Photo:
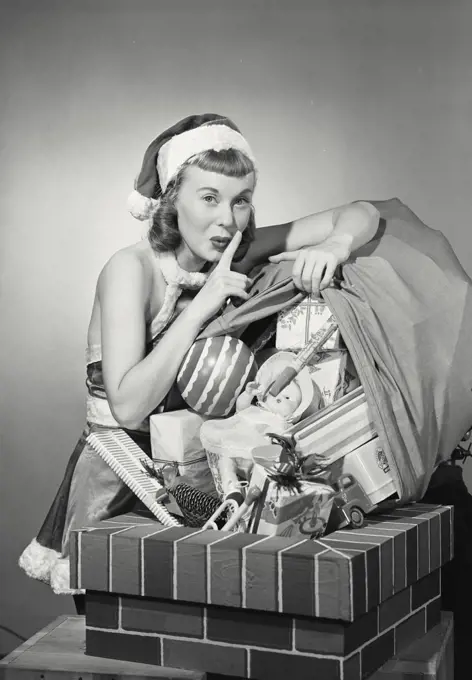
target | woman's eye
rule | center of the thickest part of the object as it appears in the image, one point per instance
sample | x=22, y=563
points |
x=241, y=201
x=209, y=199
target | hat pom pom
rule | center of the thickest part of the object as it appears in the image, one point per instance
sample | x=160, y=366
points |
x=141, y=207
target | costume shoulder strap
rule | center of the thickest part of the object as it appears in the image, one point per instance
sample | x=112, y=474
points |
x=177, y=279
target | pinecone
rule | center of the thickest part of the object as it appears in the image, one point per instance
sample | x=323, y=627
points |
x=196, y=506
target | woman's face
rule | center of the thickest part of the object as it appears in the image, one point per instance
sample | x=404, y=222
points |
x=210, y=209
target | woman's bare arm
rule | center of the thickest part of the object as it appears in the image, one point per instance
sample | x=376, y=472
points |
x=351, y=225
x=135, y=383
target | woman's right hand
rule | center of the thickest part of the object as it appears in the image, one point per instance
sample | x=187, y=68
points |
x=222, y=284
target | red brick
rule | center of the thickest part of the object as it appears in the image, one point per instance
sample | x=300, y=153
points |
x=434, y=541
x=94, y=558
x=377, y=653
x=411, y=556
x=124, y=646
x=445, y=516
x=300, y=578
x=386, y=570
x=386, y=547
x=158, y=552
x=162, y=616
x=399, y=563
x=125, y=558
x=433, y=613
x=385, y=528
x=371, y=553
x=411, y=629
x=426, y=589
x=396, y=519
x=447, y=535
x=323, y=636
x=394, y=609
x=335, y=587
x=225, y=568
x=125, y=562
x=357, y=585
x=242, y=627
x=262, y=573
x=279, y=665
x=101, y=609
x=191, y=574
x=423, y=546
x=196, y=655
x=352, y=668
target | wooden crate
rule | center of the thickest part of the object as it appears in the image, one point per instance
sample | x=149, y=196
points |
x=57, y=652
x=429, y=658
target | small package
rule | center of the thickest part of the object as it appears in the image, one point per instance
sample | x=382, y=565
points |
x=297, y=325
x=289, y=510
x=336, y=430
x=369, y=467
x=175, y=438
x=329, y=372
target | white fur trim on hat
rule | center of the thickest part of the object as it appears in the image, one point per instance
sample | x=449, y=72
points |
x=141, y=207
x=180, y=148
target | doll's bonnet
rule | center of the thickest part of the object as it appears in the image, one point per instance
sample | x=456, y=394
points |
x=311, y=395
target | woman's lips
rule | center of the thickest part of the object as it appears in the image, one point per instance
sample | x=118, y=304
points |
x=220, y=243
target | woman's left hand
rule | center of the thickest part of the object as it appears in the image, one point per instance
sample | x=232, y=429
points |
x=314, y=266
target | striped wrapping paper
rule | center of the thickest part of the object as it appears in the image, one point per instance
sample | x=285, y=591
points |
x=336, y=430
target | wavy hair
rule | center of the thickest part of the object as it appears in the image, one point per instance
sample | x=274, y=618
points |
x=164, y=234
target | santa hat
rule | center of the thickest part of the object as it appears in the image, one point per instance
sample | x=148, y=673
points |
x=171, y=149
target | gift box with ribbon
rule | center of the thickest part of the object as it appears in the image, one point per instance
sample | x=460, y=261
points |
x=175, y=438
x=288, y=506
x=336, y=430
x=297, y=325
x=328, y=371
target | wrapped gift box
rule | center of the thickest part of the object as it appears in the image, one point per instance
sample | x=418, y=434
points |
x=369, y=467
x=290, y=512
x=175, y=438
x=297, y=325
x=337, y=429
x=262, y=606
x=329, y=373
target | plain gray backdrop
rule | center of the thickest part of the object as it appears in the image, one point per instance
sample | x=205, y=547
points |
x=341, y=100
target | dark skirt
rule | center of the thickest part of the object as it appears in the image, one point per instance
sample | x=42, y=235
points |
x=90, y=491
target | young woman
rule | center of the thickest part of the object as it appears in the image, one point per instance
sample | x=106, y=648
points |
x=196, y=185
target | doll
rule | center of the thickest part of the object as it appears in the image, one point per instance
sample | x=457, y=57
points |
x=230, y=442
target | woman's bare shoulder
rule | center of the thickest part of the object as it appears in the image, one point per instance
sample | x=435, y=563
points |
x=132, y=263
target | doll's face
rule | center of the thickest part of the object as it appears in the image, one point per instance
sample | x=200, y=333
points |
x=286, y=402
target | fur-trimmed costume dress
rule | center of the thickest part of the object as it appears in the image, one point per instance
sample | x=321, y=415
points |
x=90, y=490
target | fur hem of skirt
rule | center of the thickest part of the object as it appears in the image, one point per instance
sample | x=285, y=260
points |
x=48, y=566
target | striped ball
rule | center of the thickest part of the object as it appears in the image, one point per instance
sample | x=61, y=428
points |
x=213, y=374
